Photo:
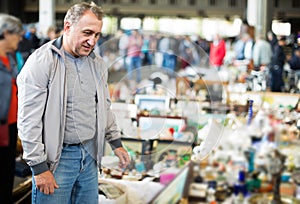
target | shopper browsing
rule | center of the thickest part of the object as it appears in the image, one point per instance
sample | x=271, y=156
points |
x=10, y=36
x=64, y=112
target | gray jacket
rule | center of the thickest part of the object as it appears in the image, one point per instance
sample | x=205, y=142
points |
x=42, y=94
x=262, y=53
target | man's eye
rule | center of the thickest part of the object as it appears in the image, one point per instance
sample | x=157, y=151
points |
x=87, y=33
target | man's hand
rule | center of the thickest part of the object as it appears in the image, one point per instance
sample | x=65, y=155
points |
x=45, y=182
x=123, y=156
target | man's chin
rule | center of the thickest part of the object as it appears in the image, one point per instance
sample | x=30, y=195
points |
x=85, y=53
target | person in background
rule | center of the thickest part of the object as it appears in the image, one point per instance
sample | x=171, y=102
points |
x=31, y=36
x=248, y=49
x=24, y=47
x=188, y=53
x=163, y=47
x=145, y=49
x=168, y=46
x=64, y=113
x=294, y=63
x=276, y=68
x=239, y=47
x=272, y=39
x=123, y=45
x=152, y=49
x=51, y=35
x=217, y=52
x=203, y=50
x=10, y=35
x=243, y=47
x=135, y=43
x=294, y=60
x=262, y=53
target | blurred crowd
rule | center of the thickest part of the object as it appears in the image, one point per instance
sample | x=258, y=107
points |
x=271, y=60
x=275, y=57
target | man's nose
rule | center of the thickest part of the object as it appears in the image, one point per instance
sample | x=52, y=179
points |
x=92, y=40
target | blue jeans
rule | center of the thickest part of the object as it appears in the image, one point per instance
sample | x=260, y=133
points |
x=276, y=79
x=169, y=61
x=76, y=176
x=135, y=63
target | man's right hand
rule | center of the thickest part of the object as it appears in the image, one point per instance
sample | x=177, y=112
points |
x=45, y=182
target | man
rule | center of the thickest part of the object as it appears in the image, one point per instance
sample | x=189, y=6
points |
x=277, y=62
x=10, y=36
x=64, y=112
x=294, y=60
x=262, y=53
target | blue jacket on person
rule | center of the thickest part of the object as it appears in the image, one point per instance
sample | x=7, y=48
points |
x=6, y=77
x=294, y=62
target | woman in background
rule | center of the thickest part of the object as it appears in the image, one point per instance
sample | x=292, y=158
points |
x=217, y=52
x=10, y=36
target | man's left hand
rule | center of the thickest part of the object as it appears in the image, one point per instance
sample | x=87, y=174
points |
x=123, y=156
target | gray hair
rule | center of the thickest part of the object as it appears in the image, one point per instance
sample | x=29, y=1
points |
x=9, y=24
x=76, y=11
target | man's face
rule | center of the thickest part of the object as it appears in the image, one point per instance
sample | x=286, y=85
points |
x=81, y=37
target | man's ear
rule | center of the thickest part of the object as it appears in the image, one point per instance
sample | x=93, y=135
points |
x=67, y=27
